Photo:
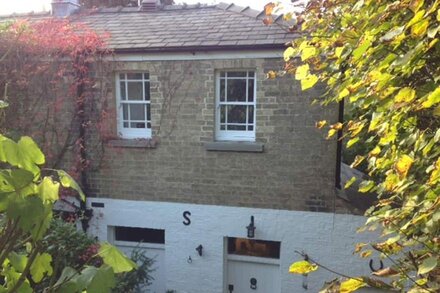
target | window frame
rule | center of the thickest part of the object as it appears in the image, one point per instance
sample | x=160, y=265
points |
x=132, y=133
x=235, y=135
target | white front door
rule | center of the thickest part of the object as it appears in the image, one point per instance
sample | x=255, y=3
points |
x=248, y=274
x=152, y=243
x=155, y=252
x=253, y=266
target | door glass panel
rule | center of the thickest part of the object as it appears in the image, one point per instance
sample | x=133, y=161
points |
x=251, y=247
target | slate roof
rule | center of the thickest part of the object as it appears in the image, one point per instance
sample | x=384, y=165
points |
x=186, y=27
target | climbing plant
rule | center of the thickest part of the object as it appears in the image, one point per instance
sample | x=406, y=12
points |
x=51, y=76
x=382, y=58
x=27, y=196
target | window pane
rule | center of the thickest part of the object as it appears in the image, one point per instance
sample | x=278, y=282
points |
x=124, y=112
x=236, y=90
x=125, y=124
x=222, y=127
x=222, y=74
x=147, y=90
x=146, y=76
x=222, y=89
x=250, y=90
x=148, y=125
x=237, y=74
x=135, y=91
x=134, y=75
x=250, y=127
x=137, y=112
x=122, y=76
x=222, y=114
x=237, y=114
x=148, y=112
x=250, y=114
x=251, y=74
x=122, y=86
x=137, y=125
x=237, y=127
x=139, y=235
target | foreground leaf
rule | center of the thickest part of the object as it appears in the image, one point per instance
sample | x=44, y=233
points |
x=427, y=265
x=115, y=259
x=41, y=266
x=351, y=285
x=302, y=267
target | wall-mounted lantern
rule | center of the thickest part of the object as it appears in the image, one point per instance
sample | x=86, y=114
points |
x=200, y=250
x=251, y=228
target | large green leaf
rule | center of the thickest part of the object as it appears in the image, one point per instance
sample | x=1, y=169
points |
x=96, y=280
x=115, y=258
x=27, y=211
x=103, y=280
x=17, y=180
x=41, y=267
x=30, y=148
x=25, y=154
x=68, y=182
x=18, y=261
x=66, y=283
x=48, y=190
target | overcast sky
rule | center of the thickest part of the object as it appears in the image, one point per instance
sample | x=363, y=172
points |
x=20, y=6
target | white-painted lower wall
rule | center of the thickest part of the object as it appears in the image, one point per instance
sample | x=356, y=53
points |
x=328, y=238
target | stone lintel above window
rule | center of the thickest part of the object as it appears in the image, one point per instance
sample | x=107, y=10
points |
x=235, y=146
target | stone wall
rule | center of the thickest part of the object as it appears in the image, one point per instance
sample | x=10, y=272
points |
x=296, y=171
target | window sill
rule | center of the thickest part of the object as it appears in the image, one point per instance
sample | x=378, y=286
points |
x=235, y=146
x=133, y=143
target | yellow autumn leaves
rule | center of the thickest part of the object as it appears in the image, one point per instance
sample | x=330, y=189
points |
x=304, y=267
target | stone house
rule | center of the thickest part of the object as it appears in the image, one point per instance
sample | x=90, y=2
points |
x=218, y=172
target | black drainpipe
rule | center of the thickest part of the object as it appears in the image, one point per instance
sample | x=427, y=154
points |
x=339, y=147
x=85, y=214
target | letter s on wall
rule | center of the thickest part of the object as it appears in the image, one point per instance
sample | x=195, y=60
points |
x=186, y=215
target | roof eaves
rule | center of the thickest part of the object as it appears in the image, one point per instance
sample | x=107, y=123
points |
x=199, y=48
